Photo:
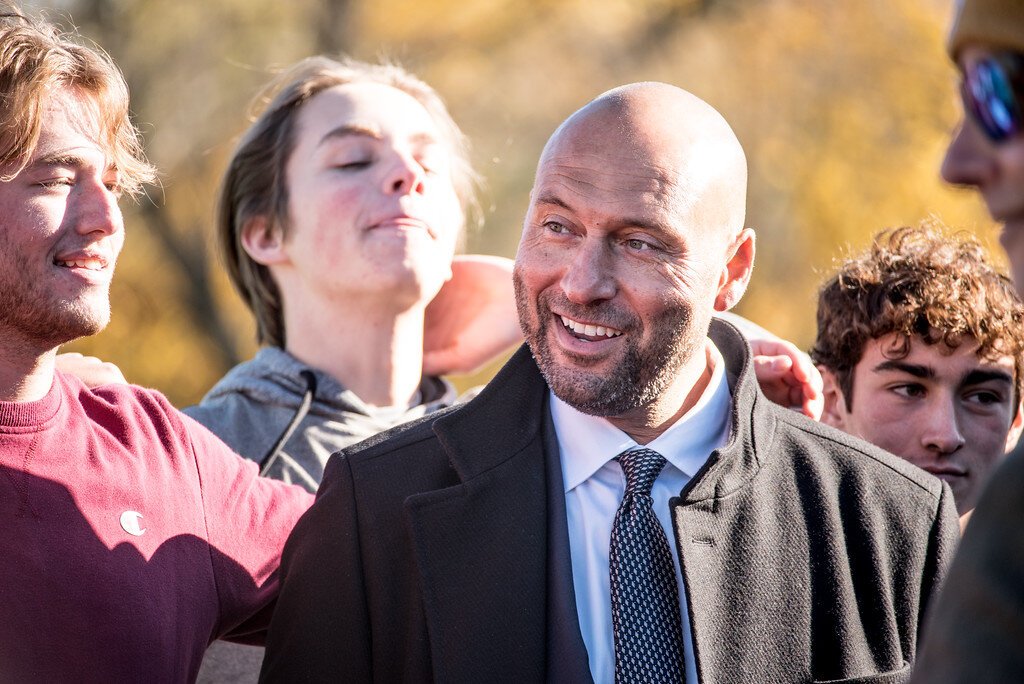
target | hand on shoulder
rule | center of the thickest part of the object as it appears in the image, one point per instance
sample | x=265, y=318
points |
x=787, y=376
x=90, y=370
x=473, y=318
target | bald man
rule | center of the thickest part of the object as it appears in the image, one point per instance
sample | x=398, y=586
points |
x=620, y=503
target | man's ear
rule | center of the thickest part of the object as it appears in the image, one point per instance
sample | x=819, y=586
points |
x=1015, y=427
x=834, y=413
x=736, y=274
x=263, y=241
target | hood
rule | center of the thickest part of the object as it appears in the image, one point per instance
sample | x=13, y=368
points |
x=272, y=378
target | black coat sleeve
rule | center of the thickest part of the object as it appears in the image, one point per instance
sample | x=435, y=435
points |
x=320, y=629
x=977, y=627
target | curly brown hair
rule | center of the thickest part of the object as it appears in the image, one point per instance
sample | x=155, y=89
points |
x=917, y=282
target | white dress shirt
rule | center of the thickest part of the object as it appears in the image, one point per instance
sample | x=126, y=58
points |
x=595, y=484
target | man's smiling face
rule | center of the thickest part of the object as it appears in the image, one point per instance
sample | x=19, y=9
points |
x=632, y=239
x=613, y=294
x=62, y=230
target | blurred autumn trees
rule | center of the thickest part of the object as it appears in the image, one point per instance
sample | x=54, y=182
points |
x=843, y=108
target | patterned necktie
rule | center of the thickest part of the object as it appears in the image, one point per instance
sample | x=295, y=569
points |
x=645, y=598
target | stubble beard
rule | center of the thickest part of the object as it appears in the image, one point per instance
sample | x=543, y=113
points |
x=637, y=380
x=37, y=318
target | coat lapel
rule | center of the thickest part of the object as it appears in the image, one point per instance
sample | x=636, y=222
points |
x=567, y=659
x=481, y=546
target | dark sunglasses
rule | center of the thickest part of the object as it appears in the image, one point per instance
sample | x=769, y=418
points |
x=993, y=94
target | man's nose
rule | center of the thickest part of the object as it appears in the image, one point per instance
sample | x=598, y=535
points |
x=96, y=208
x=404, y=176
x=940, y=428
x=589, y=277
x=968, y=159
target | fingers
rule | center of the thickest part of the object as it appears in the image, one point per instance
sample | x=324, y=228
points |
x=813, y=390
x=789, y=378
x=773, y=367
x=90, y=370
x=813, y=406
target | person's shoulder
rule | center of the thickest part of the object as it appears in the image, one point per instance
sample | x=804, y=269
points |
x=131, y=414
x=233, y=390
x=379, y=473
x=411, y=435
x=403, y=460
x=234, y=412
x=124, y=398
x=248, y=406
x=852, y=457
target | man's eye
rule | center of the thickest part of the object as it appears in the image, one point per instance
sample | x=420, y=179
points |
x=637, y=244
x=556, y=227
x=985, y=397
x=908, y=390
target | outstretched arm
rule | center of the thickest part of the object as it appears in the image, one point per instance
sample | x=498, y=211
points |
x=473, y=318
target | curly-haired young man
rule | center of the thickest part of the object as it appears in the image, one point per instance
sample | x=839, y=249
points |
x=919, y=347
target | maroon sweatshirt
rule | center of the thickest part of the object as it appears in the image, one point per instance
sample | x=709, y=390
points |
x=130, y=538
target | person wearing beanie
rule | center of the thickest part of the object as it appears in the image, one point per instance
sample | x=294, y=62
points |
x=975, y=632
x=987, y=150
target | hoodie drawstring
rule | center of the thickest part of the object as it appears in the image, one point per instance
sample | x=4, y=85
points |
x=300, y=413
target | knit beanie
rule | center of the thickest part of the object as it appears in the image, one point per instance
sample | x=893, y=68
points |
x=992, y=23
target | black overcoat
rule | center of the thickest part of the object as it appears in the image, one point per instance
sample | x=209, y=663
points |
x=808, y=555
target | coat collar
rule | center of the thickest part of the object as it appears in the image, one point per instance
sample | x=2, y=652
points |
x=511, y=406
x=737, y=462
x=498, y=423
x=481, y=545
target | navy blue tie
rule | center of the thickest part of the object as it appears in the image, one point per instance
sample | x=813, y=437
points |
x=645, y=597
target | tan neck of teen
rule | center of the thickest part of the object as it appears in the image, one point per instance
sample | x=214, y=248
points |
x=374, y=352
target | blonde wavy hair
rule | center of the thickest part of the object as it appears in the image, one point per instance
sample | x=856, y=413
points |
x=37, y=60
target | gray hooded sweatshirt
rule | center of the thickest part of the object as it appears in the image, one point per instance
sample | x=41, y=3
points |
x=252, y=405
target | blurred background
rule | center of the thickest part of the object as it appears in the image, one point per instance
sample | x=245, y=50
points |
x=843, y=109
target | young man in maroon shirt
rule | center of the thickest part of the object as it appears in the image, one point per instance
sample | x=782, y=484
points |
x=131, y=536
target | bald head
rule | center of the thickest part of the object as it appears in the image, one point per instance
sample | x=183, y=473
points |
x=659, y=139
x=633, y=238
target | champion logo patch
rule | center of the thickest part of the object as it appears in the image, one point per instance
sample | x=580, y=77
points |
x=130, y=523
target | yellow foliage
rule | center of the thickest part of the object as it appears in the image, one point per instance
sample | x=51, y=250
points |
x=843, y=109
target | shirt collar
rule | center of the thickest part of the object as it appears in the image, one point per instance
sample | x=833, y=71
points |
x=588, y=442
